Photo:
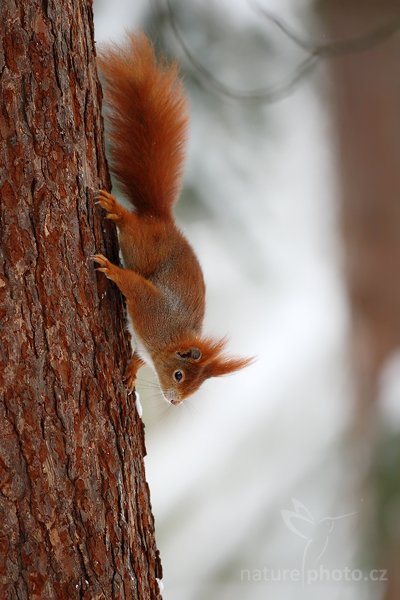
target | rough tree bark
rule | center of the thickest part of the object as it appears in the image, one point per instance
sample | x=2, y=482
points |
x=75, y=515
x=366, y=101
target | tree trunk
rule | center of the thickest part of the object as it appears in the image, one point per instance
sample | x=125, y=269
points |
x=366, y=100
x=75, y=515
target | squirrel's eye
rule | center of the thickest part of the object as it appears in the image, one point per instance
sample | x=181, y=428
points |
x=178, y=376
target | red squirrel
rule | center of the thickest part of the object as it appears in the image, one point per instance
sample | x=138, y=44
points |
x=162, y=280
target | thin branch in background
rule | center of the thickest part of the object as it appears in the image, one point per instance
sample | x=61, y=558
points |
x=359, y=43
x=292, y=35
x=315, y=51
x=269, y=95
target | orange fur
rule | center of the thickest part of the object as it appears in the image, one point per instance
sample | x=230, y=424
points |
x=162, y=279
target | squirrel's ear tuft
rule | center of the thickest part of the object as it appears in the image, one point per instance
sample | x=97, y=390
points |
x=208, y=353
x=223, y=365
x=217, y=363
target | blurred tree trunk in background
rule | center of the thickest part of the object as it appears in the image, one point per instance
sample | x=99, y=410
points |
x=75, y=515
x=365, y=89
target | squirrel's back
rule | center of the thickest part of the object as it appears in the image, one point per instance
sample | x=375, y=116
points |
x=147, y=116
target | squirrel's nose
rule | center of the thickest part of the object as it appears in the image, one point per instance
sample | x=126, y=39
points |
x=171, y=397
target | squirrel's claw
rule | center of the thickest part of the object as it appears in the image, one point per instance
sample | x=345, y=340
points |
x=104, y=263
x=100, y=259
x=109, y=203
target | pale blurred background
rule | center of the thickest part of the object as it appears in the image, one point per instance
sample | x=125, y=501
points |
x=282, y=481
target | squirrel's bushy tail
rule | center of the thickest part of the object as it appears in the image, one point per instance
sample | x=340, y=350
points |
x=147, y=116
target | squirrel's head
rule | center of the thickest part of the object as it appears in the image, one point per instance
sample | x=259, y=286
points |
x=183, y=367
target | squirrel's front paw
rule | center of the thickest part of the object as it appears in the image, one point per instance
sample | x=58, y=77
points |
x=110, y=204
x=131, y=371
